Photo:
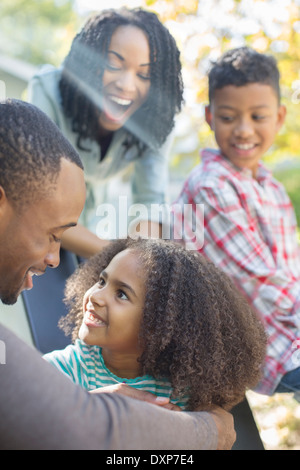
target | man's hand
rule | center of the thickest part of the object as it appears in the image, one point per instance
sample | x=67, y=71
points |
x=128, y=391
x=225, y=427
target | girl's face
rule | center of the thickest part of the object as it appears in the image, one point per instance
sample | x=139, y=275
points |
x=126, y=78
x=114, y=306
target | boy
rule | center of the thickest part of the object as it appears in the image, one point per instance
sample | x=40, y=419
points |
x=249, y=223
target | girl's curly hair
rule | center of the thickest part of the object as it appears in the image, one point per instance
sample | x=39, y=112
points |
x=197, y=330
x=83, y=68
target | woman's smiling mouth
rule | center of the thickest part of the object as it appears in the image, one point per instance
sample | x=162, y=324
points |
x=116, y=108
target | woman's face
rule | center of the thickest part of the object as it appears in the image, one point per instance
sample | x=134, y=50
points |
x=126, y=78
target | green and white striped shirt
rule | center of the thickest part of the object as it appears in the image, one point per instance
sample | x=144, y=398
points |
x=84, y=365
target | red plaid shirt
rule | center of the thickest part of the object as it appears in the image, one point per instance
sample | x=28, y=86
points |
x=250, y=233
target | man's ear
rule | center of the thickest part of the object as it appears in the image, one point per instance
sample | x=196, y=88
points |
x=6, y=209
x=2, y=194
x=209, y=117
x=3, y=199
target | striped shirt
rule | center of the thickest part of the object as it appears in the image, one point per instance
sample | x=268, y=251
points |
x=84, y=365
x=250, y=232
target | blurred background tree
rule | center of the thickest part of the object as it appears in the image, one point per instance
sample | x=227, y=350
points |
x=37, y=31
x=41, y=31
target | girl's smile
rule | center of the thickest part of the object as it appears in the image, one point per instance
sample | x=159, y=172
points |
x=92, y=320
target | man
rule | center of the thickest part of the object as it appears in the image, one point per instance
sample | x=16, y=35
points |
x=42, y=193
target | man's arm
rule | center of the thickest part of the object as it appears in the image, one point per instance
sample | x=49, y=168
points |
x=223, y=419
x=42, y=409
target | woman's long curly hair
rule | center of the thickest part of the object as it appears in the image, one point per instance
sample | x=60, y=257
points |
x=197, y=330
x=81, y=82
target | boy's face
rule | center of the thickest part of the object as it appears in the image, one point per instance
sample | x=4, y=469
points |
x=245, y=121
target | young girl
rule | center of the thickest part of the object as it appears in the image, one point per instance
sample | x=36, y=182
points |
x=163, y=319
x=115, y=98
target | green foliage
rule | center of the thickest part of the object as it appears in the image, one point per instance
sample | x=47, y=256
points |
x=37, y=31
x=290, y=178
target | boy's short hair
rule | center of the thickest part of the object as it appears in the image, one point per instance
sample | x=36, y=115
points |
x=242, y=66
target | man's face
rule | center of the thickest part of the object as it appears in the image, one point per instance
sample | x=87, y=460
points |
x=30, y=240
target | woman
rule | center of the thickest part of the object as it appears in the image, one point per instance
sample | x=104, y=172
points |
x=115, y=98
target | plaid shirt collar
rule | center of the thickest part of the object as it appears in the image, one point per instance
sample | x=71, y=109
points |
x=264, y=175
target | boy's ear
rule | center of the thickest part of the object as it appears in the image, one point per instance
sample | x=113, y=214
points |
x=281, y=116
x=208, y=117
